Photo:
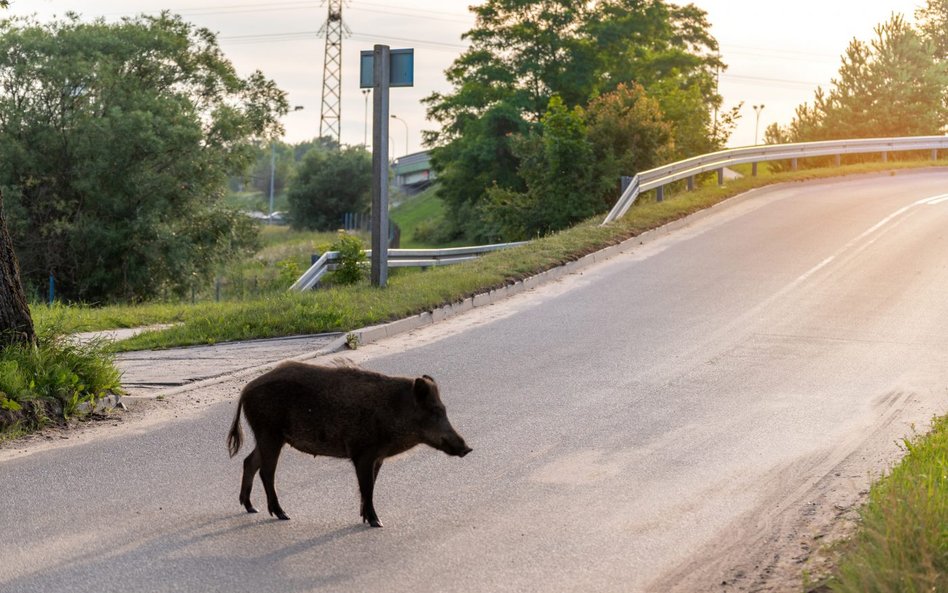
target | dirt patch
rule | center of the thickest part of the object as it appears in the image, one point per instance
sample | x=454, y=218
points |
x=808, y=510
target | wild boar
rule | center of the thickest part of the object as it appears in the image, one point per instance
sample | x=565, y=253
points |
x=344, y=412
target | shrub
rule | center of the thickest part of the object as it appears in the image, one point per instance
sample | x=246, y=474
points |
x=350, y=269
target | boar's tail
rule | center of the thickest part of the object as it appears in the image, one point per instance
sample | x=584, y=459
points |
x=235, y=437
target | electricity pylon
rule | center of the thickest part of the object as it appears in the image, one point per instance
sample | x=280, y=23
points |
x=334, y=30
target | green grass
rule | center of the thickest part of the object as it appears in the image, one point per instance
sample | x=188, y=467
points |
x=418, y=211
x=255, y=200
x=51, y=379
x=902, y=545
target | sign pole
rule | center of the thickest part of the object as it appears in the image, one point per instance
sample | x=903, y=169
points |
x=380, y=117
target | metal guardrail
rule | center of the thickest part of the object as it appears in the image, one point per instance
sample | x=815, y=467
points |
x=687, y=169
x=401, y=258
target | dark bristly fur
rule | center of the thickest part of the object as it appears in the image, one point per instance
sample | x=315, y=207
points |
x=342, y=412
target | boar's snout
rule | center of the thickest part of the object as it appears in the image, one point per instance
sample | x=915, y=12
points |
x=454, y=445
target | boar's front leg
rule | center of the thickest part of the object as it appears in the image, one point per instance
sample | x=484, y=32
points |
x=367, y=468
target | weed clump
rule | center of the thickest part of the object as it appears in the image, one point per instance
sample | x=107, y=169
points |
x=48, y=381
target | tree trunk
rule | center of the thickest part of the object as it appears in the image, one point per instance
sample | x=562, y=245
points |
x=16, y=325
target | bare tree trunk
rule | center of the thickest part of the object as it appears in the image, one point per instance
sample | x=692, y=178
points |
x=16, y=325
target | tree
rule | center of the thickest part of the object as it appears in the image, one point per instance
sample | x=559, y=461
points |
x=933, y=24
x=523, y=52
x=891, y=86
x=116, y=140
x=628, y=132
x=16, y=325
x=564, y=186
x=328, y=184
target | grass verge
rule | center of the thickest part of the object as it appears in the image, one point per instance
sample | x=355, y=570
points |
x=409, y=291
x=902, y=544
x=46, y=383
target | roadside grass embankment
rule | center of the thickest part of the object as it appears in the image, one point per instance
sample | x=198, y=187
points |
x=411, y=291
x=902, y=542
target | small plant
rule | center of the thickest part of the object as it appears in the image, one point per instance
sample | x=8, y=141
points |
x=349, y=268
x=352, y=341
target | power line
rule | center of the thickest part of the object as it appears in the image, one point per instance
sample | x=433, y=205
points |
x=313, y=35
x=781, y=81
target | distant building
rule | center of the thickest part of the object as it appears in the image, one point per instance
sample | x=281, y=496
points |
x=413, y=172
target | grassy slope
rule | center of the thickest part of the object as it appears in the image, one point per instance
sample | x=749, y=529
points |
x=902, y=544
x=416, y=210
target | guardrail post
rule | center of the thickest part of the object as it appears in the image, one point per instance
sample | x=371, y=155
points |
x=839, y=160
x=754, y=169
x=934, y=154
x=691, y=183
x=721, y=176
x=793, y=164
x=885, y=156
x=659, y=193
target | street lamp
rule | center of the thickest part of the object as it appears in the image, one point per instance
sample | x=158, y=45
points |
x=406, y=131
x=273, y=170
x=365, y=133
x=757, y=110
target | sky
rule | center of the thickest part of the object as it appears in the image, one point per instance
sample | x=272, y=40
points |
x=778, y=53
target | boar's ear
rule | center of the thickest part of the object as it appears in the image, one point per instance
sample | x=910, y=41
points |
x=423, y=389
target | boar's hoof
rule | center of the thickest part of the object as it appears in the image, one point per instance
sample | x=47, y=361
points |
x=372, y=520
x=250, y=509
x=279, y=514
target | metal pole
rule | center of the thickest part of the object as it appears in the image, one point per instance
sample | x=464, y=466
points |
x=757, y=110
x=404, y=123
x=272, y=174
x=380, y=117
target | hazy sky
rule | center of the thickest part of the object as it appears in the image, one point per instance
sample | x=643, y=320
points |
x=777, y=52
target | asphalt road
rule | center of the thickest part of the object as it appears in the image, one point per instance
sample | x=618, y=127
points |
x=653, y=423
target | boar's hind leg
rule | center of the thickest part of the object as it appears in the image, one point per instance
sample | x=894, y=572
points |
x=269, y=453
x=251, y=466
x=367, y=469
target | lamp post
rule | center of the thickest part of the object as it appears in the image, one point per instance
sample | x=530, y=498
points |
x=365, y=133
x=757, y=110
x=406, y=131
x=273, y=170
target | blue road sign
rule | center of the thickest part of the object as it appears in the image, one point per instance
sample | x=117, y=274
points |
x=401, y=68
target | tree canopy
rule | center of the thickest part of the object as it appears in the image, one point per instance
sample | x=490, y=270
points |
x=116, y=140
x=525, y=52
x=330, y=182
x=892, y=85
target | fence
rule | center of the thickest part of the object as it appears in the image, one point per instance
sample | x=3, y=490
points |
x=659, y=177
